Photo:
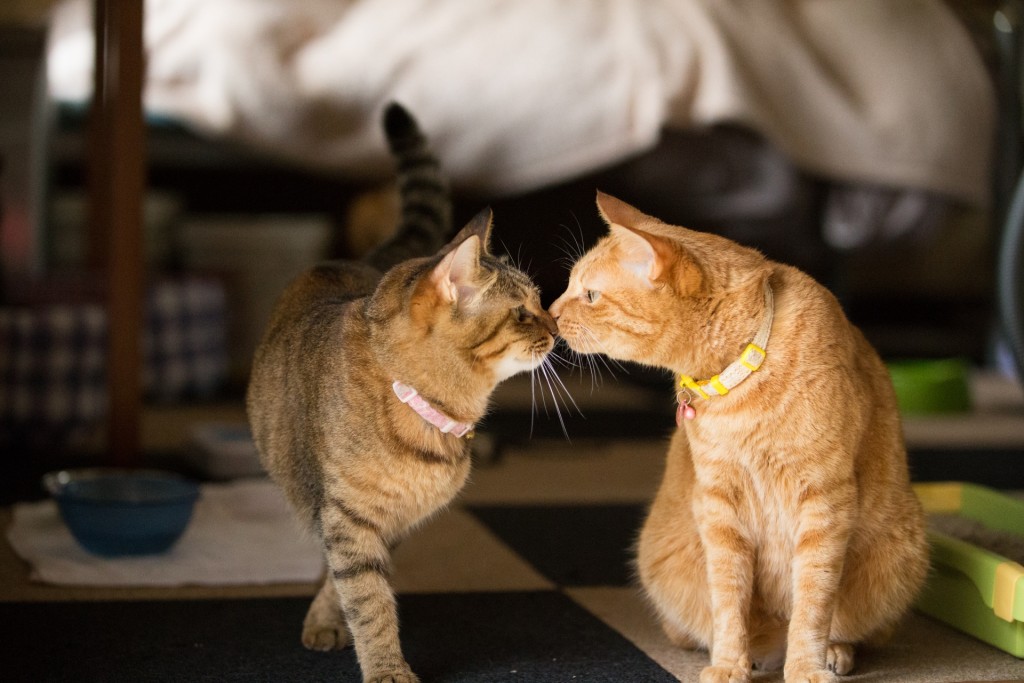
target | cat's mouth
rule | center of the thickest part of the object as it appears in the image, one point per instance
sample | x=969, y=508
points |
x=532, y=359
x=574, y=337
x=540, y=349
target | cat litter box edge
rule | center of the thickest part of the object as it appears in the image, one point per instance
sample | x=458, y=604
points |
x=969, y=588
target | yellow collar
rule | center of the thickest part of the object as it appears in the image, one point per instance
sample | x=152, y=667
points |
x=749, y=362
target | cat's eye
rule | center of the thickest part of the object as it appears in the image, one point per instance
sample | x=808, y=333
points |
x=593, y=295
x=522, y=315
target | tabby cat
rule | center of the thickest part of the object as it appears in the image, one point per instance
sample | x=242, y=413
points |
x=366, y=387
x=785, y=528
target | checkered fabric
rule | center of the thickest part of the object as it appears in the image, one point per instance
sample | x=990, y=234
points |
x=52, y=365
x=185, y=338
x=53, y=368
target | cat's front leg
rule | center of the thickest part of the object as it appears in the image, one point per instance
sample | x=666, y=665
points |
x=820, y=544
x=730, y=573
x=359, y=563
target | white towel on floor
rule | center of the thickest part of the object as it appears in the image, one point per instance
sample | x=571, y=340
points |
x=240, y=533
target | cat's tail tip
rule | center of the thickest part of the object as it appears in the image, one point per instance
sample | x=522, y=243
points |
x=399, y=126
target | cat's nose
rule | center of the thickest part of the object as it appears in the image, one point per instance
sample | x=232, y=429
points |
x=549, y=322
x=556, y=308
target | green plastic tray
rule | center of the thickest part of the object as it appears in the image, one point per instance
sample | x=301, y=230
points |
x=969, y=588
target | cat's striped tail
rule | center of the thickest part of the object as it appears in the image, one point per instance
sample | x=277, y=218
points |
x=426, y=206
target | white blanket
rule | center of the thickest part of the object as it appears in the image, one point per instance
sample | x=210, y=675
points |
x=240, y=533
x=520, y=93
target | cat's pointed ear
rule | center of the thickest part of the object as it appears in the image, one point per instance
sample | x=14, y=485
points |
x=479, y=225
x=614, y=211
x=638, y=254
x=456, y=276
x=640, y=251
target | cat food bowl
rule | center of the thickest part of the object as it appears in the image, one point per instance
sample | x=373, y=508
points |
x=112, y=512
x=927, y=387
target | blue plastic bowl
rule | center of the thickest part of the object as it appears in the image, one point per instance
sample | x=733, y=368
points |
x=123, y=512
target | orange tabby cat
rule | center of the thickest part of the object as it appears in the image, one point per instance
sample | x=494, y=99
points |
x=365, y=384
x=785, y=527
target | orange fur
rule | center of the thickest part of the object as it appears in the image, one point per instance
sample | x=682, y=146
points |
x=785, y=525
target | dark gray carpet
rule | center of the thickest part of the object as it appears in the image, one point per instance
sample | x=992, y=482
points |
x=533, y=637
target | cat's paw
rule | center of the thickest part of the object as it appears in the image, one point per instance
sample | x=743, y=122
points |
x=840, y=658
x=325, y=636
x=725, y=674
x=403, y=676
x=809, y=675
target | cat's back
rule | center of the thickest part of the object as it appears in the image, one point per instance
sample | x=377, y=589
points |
x=306, y=328
x=835, y=380
x=812, y=334
x=331, y=283
x=314, y=302
x=806, y=308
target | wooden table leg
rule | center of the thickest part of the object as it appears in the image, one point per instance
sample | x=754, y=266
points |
x=116, y=167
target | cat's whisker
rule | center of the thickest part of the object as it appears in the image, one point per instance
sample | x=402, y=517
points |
x=543, y=398
x=570, y=257
x=573, y=249
x=608, y=362
x=567, y=363
x=570, y=249
x=566, y=262
x=587, y=363
x=552, y=374
x=578, y=241
x=581, y=361
x=577, y=361
x=601, y=357
x=507, y=252
x=547, y=371
x=596, y=378
x=533, y=397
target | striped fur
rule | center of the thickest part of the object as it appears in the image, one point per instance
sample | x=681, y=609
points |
x=426, y=212
x=359, y=466
x=785, y=528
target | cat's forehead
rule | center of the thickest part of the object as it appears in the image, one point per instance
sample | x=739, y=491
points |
x=512, y=282
x=595, y=267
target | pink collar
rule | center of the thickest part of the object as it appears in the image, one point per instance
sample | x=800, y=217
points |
x=447, y=425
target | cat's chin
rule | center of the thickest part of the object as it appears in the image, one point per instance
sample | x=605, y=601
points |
x=594, y=349
x=510, y=367
x=581, y=345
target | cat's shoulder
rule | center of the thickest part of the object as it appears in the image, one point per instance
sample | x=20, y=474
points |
x=795, y=289
x=329, y=282
x=807, y=308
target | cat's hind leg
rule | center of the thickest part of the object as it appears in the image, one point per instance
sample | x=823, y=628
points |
x=670, y=564
x=767, y=639
x=679, y=637
x=880, y=580
x=670, y=558
x=324, y=627
x=839, y=658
